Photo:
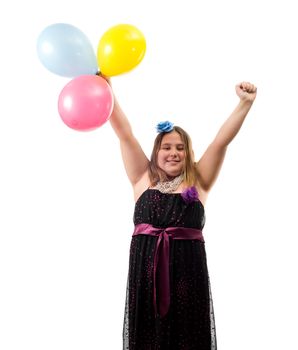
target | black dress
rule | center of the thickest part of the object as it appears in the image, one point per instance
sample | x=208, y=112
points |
x=189, y=323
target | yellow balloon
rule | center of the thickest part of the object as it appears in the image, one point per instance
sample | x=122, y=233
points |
x=120, y=49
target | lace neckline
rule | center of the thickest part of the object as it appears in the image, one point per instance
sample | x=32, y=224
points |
x=169, y=186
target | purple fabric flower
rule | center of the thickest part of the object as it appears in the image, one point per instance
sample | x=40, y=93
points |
x=190, y=195
x=164, y=126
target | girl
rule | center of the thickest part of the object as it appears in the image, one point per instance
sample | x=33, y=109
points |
x=168, y=300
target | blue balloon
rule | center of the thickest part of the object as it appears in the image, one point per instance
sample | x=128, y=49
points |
x=65, y=50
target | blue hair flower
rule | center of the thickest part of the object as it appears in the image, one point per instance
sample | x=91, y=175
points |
x=164, y=126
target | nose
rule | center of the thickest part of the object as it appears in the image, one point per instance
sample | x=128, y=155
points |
x=173, y=153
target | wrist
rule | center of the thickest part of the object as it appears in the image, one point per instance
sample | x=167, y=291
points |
x=245, y=101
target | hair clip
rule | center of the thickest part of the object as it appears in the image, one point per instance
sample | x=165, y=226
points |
x=165, y=126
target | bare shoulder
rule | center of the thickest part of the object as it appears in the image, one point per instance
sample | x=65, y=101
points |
x=141, y=186
x=203, y=195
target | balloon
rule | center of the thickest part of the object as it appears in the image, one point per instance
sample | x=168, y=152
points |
x=64, y=50
x=120, y=49
x=86, y=102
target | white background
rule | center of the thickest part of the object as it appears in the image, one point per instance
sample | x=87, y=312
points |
x=66, y=205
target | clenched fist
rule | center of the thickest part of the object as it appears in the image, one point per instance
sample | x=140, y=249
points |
x=246, y=91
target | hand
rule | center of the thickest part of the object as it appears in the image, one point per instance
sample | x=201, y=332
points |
x=246, y=91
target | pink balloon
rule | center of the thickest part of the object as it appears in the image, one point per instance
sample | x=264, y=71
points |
x=86, y=102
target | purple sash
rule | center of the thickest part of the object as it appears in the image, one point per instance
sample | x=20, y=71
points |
x=161, y=258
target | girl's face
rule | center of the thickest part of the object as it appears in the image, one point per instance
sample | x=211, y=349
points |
x=171, y=155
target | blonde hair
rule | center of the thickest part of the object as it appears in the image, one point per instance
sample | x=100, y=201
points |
x=190, y=173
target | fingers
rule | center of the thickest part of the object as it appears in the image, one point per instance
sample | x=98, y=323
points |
x=248, y=87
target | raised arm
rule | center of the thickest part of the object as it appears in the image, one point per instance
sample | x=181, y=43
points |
x=210, y=163
x=134, y=159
